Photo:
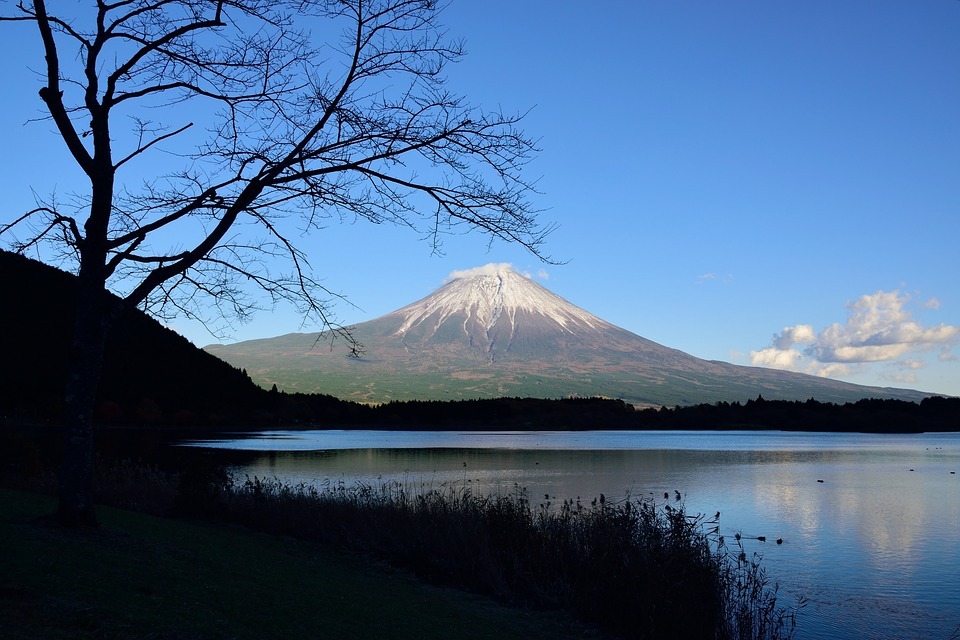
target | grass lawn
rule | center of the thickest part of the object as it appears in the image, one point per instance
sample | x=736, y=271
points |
x=153, y=578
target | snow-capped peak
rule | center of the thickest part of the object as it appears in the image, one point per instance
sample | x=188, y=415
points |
x=486, y=295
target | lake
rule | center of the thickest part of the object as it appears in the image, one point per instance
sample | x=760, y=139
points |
x=869, y=523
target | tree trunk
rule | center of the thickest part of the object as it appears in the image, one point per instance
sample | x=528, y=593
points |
x=83, y=379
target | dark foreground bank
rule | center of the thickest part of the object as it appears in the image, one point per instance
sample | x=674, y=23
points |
x=146, y=577
x=635, y=569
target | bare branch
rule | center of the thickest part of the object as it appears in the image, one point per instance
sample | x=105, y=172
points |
x=290, y=133
x=143, y=147
x=52, y=95
x=51, y=221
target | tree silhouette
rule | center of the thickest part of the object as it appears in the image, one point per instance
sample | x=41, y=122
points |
x=269, y=118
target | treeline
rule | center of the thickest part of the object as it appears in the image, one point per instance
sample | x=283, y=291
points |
x=869, y=415
x=256, y=408
x=527, y=414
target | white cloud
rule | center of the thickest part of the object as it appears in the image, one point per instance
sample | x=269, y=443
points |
x=829, y=370
x=543, y=275
x=911, y=364
x=861, y=353
x=712, y=277
x=880, y=328
x=777, y=358
x=782, y=354
x=797, y=334
x=492, y=269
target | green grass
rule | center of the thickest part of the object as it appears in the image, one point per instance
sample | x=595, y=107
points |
x=140, y=576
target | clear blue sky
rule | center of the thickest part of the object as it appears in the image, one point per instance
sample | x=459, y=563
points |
x=773, y=183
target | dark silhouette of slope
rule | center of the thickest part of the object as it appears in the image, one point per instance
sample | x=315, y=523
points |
x=151, y=374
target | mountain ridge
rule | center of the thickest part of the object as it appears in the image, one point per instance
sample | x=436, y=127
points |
x=492, y=332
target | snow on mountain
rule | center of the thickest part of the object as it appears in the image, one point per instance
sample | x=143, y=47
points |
x=487, y=296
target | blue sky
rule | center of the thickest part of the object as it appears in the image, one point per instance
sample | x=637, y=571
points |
x=773, y=183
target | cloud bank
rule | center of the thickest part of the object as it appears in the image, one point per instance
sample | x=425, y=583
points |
x=879, y=329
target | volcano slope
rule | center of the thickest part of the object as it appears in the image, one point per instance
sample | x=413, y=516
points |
x=492, y=333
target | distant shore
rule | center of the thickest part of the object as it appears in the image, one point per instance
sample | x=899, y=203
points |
x=303, y=411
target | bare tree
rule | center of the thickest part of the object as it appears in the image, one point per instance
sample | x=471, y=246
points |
x=275, y=112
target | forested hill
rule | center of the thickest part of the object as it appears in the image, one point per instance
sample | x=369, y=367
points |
x=149, y=372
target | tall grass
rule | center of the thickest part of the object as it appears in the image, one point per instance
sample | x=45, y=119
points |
x=638, y=568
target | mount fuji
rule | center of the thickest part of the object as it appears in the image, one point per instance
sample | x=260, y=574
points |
x=492, y=332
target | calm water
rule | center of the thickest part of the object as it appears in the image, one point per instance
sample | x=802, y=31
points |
x=869, y=523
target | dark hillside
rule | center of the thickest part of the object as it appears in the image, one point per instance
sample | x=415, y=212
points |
x=151, y=373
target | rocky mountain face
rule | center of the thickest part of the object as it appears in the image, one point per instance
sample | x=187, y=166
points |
x=493, y=332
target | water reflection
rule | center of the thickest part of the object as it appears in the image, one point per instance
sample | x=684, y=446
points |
x=868, y=523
